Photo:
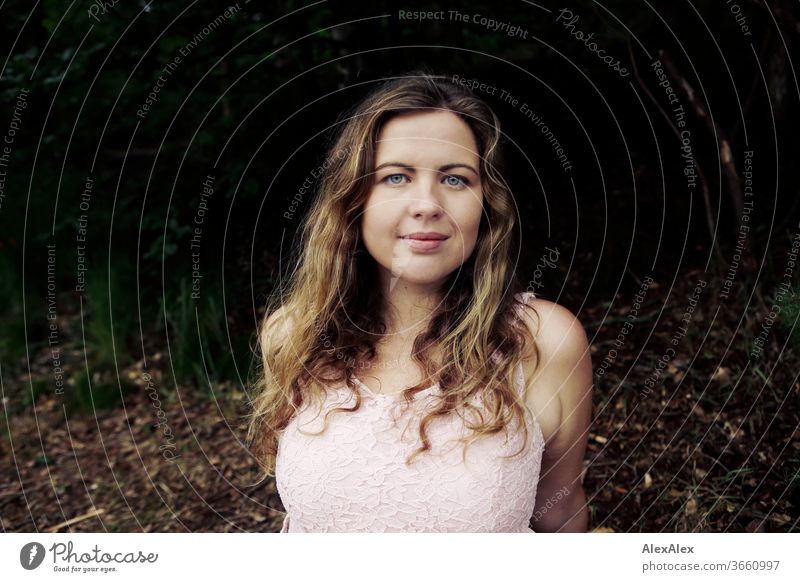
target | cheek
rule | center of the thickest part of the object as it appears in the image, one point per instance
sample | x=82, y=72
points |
x=467, y=221
x=471, y=219
x=375, y=223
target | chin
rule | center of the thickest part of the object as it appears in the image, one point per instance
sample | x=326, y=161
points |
x=421, y=280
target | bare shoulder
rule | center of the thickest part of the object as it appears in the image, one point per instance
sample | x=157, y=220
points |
x=560, y=380
x=555, y=329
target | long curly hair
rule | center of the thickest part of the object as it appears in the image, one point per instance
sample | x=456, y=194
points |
x=322, y=321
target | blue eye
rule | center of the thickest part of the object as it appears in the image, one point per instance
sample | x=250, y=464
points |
x=390, y=179
x=454, y=181
x=457, y=181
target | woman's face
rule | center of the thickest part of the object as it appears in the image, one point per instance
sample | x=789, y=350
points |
x=421, y=217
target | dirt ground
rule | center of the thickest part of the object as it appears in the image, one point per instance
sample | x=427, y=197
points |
x=712, y=448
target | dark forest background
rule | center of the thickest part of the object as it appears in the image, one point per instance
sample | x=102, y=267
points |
x=98, y=335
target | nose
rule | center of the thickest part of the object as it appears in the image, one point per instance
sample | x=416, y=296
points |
x=424, y=201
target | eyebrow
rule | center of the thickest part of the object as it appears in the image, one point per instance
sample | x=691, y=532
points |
x=444, y=168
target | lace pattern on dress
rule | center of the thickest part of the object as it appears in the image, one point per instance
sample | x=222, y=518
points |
x=353, y=477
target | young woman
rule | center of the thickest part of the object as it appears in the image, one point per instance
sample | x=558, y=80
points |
x=407, y=383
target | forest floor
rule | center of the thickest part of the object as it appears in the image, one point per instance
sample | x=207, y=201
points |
x=713, y=447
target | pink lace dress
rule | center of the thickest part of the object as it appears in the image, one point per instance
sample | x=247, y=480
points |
x=352, y=478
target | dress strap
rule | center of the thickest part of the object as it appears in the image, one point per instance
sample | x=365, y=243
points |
x=524, y=297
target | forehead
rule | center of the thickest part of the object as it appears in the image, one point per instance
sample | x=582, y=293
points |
x=434, y=136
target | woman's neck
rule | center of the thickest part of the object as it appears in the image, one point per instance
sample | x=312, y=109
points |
x=408, y=309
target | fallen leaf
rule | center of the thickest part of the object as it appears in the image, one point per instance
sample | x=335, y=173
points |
x=755, y=526
x=780, y=518
x=722, y=374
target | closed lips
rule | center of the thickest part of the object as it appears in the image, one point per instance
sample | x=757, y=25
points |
x=425, y=236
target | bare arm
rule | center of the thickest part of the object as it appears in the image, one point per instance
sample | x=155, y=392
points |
x=566, y=370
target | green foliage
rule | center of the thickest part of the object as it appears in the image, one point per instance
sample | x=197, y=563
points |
x=37, y=387
x=102, y=392
x=108, y=315
x=89, y=78
x=198, y=340
x=12, y=338
x=165, y=244
x=179, y=315
x=789, y=319
x=794, y=474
